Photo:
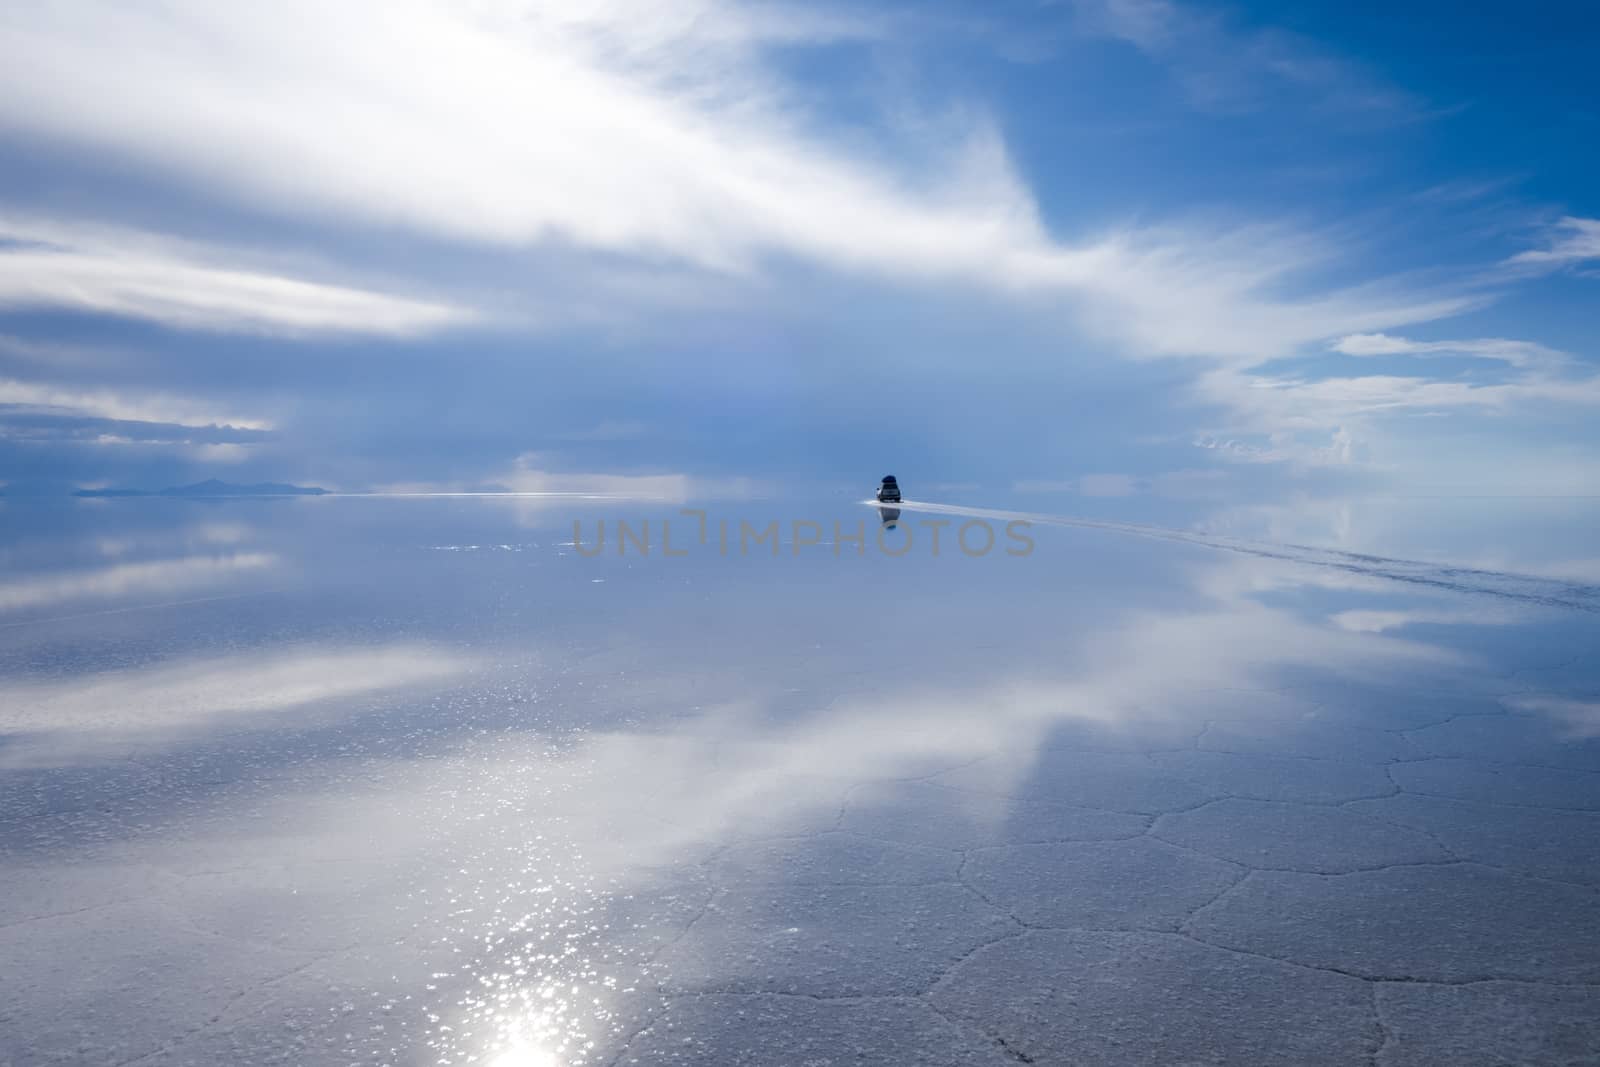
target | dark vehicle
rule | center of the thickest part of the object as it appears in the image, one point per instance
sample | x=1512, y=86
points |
x=889, y=491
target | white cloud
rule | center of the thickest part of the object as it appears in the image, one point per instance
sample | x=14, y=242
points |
x=655, y=130
x=1294, y=403
x=1574, y=241
x=1302, y=446
x=529, y=480
x=1377, y=622
x=125, y=405
x=622, y=126
x=526, y=476
x=1515, y=353
x=203, y=451
x=219, y=451
x=1322, y=421
x=50, y=265
x=1217, y=293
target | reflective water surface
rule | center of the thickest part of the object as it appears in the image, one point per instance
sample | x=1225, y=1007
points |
x=422, y=781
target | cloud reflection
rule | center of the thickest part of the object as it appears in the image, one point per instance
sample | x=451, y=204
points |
x=625, y=805
x=525, y=871
x=114, y=706
x=1577, y=718
x=124, y=579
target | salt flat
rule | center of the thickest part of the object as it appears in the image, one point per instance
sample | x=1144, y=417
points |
x=420, y=782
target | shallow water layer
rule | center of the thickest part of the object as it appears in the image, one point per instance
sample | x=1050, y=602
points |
x=446, y=780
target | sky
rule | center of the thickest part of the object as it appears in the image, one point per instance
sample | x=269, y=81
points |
x=1094, y=247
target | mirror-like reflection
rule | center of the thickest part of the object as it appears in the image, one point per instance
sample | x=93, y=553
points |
x=449, y=790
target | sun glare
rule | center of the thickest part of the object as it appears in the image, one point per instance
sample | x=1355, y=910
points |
x=525, y=1056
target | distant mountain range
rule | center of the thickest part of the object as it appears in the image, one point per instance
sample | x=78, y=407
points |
x=212, y=487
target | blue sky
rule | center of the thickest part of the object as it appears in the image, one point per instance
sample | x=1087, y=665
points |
x=1096, y=246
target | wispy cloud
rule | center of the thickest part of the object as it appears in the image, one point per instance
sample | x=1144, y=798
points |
x=201, y=451
x=1514, y=353
x=532, y=477
x=623, y=126
x=1373, y=621
x=123, y=404
x=1225, y=66
x=1573, y=241
x=1284, y=403
x=45, y=430
x=1321, y=420
x=658, y=131
x=47, y=264
x=529, y=476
